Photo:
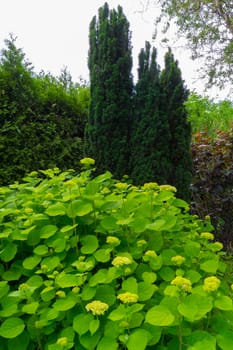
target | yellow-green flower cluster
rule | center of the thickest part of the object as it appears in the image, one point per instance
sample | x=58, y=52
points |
x=70, y=183
x=150, y=186
x=122, y=186
x=211, y=284
x=61, y=294
x=23, y=286
x=207, y=235
x=168, y=188
x=28, y=210
x=97, y=307
x=151, y=253
x=87, y=161
x=33, y=173
x=63, y=341
x=113, y=240
x=216, y=246
x=178, y=260
x=121, y=260
x=49, y=196
x=141, y=243
x=183, y=283
x=128, y=297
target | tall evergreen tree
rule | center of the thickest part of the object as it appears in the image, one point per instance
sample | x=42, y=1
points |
x=110, y=63
x=150, y=132
x=173, y=95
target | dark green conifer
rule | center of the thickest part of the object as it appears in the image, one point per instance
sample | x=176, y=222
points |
x=110, y=63
x=173, y=95
x=150, y=133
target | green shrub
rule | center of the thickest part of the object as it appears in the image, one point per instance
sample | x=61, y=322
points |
x=208, y=116
x=92, y=263
x=213, y=182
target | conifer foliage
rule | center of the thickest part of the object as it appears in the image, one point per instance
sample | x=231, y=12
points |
x=110, y=63
x=142, y=132
x=161, y=135
x=150, y=132
x=174, y=94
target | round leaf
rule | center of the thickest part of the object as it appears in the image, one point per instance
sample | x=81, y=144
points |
x=81, y=323
x=225, y=340
x=48, y=231
x=8, y=252
x=138, y=340
x=223, y=302
x=11, y=327
x=159, y=316
x=90, y=244
x=107, y=343
x=56, y=209
x=31, y=262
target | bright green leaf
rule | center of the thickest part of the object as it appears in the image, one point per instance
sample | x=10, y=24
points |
x=66, y=303
x=223, y=302
x=8, y=252
x=159, y=316
x=30, y=308
x=48, y=231
x=41, y=249
x=79, y=208
x=107, y=343
x=210, y=266
x=48, y=293
x=31, y=262
x=94, y=325
x=145, y=290
x=130, y=285
x=102, y=255
x=81, y=323
x=225, y=340
x=157, y=225
x=89, y=244
x=138, y=340
x=51, y=263
x=56, y=209
x=88, y=342
x=4, y=288
x=149, y=277
x=11, y=327
x=118, y=314
x=67, y=280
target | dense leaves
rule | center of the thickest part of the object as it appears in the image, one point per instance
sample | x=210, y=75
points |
x=42, y=118
x=93, y=263
x=174, y=94
x=110, y=64
x=208, y=116
x=149, y=139
x=150, y=134
x=213, y=182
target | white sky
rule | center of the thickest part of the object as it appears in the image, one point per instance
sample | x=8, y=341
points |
x=54, y=34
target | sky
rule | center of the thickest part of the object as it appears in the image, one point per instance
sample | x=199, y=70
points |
x=54, y=34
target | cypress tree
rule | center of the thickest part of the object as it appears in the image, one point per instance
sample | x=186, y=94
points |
x=173, y=95
x=110, y=63
x=150, y=132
